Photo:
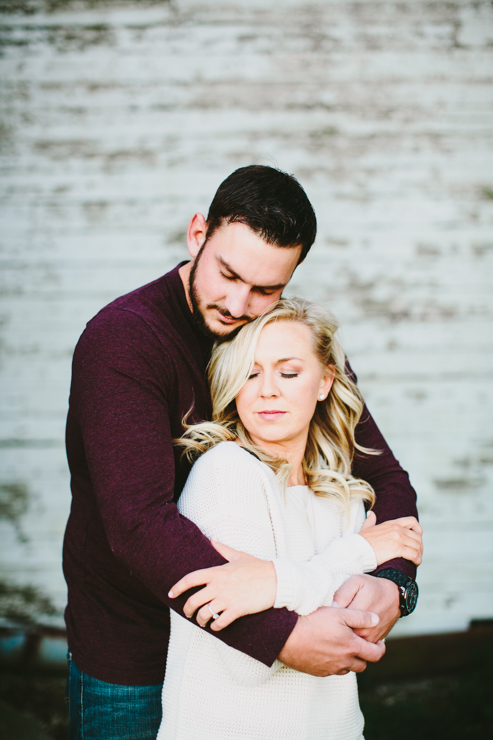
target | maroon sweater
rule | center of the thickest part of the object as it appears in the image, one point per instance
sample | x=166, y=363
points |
x=138, y=368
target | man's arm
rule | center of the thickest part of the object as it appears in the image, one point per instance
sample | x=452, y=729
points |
x=395, y=496
x=121, y=391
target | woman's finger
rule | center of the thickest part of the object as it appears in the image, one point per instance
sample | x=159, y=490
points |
x=370, y=521
x=204, y=615
x=194, y=602
x=228, y=553
x=191, y=580
x=225, y=618
x=410, y=522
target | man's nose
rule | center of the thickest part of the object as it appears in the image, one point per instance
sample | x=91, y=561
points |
x=238, y=300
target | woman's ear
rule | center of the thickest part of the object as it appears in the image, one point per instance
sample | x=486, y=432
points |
x=196, y=234
x=326, y=382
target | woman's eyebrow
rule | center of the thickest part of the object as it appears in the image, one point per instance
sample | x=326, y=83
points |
x=287, y=359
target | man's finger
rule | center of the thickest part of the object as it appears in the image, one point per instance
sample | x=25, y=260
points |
x=369, y=651
x=346, y=593
x=357, y=666
x=358, y=619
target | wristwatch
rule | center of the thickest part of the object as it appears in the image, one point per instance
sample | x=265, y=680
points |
x=408, y=589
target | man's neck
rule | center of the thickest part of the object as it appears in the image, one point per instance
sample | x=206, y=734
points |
x=184, y=272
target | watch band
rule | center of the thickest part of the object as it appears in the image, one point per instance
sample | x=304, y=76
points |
x=408, y=589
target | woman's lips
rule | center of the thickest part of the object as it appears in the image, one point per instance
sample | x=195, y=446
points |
x=271, y=415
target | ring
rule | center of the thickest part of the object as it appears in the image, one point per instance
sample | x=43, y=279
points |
x=214, y=615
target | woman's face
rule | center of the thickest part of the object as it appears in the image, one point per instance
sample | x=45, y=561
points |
x=277, y=402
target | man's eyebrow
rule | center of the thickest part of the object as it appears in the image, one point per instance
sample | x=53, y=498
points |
x=234, y=274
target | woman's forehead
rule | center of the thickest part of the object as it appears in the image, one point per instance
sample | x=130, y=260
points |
x=282, y=336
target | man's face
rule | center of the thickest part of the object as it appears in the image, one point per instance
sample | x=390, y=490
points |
x=237, y=276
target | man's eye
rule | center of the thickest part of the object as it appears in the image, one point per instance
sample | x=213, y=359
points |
x=265, y=291
x=228, y=277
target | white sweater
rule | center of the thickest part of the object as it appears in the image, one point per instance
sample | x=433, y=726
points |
x=214, y=692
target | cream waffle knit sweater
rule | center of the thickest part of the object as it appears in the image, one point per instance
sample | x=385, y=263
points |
x=214, y=692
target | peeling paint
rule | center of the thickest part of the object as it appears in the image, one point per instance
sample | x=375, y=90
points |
x=14, y=503
x=487, y=192
x=14, y=498
x=458, y=485
x=117, y=126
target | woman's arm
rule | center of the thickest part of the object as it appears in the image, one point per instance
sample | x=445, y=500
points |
x=226, y=496
x=248, y=585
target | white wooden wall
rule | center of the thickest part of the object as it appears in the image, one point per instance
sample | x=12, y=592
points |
x=118, y=123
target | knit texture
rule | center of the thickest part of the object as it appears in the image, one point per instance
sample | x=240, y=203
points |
x=138, y=368
x=213, y=691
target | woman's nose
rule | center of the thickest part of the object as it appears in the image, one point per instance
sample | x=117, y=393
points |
x=268, y=388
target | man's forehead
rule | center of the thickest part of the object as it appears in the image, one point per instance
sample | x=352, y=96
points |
x=249, y=257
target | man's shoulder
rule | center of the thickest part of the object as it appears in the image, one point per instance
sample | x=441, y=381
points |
x=142, y=311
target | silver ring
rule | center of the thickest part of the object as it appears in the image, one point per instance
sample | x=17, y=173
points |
x=214, y=615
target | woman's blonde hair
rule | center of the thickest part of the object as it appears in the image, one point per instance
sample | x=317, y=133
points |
x=331, y=442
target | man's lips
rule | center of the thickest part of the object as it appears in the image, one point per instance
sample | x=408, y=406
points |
x=226, y=318
x=271, y=414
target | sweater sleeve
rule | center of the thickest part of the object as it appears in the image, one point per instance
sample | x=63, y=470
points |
x=303, y=587
x=120, y=400
x=395, y=496
x=226, y=496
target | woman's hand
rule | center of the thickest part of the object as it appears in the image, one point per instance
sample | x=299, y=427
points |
x=244, y=585
x=397, y=538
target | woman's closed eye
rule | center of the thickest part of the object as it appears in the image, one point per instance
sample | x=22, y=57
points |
x=289, y=375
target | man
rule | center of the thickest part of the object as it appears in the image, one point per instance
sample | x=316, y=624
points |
x=138, y=369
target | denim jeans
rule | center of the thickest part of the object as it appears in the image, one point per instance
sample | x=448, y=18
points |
x=108, y=711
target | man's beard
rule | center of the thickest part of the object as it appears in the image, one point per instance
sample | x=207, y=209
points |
x=198, y=314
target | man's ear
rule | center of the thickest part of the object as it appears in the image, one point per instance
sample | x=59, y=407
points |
x=196, y=234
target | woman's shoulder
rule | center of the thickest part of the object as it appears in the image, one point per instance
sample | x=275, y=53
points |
x=227, y=455
x=226, y=475
x=228, y=462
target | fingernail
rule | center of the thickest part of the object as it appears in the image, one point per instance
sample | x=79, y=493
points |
x=170, y=594
x=374, y=618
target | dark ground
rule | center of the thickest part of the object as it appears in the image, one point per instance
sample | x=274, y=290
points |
x=447, y=694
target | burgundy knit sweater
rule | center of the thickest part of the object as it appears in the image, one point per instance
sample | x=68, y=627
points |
x=138, y=368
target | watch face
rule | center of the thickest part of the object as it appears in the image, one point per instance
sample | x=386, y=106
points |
x=411, y=597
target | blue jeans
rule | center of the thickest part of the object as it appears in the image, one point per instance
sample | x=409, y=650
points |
x=108, y=711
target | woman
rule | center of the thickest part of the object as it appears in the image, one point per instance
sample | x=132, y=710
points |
x=275, y=481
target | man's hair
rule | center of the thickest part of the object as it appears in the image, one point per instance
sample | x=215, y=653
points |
x=270, y=202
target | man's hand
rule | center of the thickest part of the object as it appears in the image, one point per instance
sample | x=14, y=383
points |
x=378, y=595
x=324, y=643
x=245, y=585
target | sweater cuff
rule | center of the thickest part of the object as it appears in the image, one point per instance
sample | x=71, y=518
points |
x=362, y=552
x=286, y=586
